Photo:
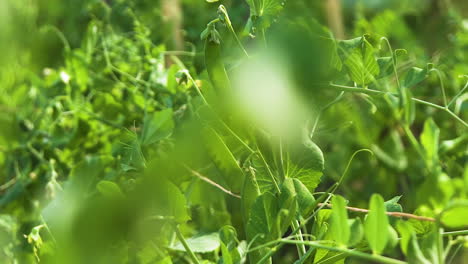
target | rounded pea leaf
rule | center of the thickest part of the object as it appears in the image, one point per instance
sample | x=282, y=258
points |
x=109, y=189
x=376, y=225
x=200, y=243
x=414, y=76
x=339, y=221
x=455, y=215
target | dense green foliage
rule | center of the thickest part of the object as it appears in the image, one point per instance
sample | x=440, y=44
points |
x=233, y=132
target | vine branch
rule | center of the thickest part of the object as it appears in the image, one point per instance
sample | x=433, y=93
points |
x=395, y=214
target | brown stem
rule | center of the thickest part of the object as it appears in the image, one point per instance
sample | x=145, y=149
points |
x=335, y=18
x=207, y=180
x=395, y=214
x=353, y=209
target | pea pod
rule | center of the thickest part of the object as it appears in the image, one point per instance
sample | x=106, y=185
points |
x=213, y=61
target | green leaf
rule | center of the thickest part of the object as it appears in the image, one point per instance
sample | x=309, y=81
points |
x=339, y=221
x=170, y=202
x=287, y=204
x=200, y=243
x=455, y=215
x=415, y=254
x=430, y=142
x=85, y=173
x=306, y=164
x=262, y=176
x=226, y=255
x=362, y=65
x=249, y=194
x=224, y=160
x=391, y=151
x=376, y=223
x=231, y=249
x=356, y=231
x=422, y=227
x=414, y=76
x=228, y=236
x=392, y=239
x=262, y=220
x=264, y=10
x=305, y=199
x=429, y=246
x=385, y=66
x=406, y=231
x=345, y=47
x=392, y=205
x=109, y=189
x=157, y=126
x=409, y=106
x=172, y=83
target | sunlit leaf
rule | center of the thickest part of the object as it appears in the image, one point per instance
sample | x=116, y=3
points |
x=455, y=215
x=430, y=142
x=375, y=225
x=157, y=126
x=339, y=221
x=200, y=243
x=361, y=64
x=414, y=76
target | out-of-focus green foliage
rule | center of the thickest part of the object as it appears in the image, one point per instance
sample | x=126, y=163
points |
x=125, y=137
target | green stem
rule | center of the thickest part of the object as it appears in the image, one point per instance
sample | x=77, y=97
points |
x=381, y=93
x=358, y=254
x=456, y=117
x=321, y=199
x=228, y=23
x=440, y=244
x=349, y=163
x=439, y=75
x=449, y=260
x=456, y=233
x=59, y=34
x=186, y=246
x=301, y=250
x=458, y=95
x=413, y=141
x=394, y=63
x=323, y=109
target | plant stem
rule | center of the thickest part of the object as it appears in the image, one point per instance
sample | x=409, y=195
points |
x=349, y=163
x=358, y=254
x=395, y=72
x=322, y=198
x=458, y=94
x=301, y=250
x=395, y=214
x=413, y=140
x=228, y=23
x=456, y=233
x=381, y=93
x=209, y=181
x=449, y=261
x=441, y=85
x=440, y=244
x=186, y=246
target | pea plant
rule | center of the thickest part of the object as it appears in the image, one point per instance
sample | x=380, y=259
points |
x=279, y=206
x=271, y=141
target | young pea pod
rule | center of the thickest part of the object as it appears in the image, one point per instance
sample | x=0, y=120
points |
x=213, y=61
